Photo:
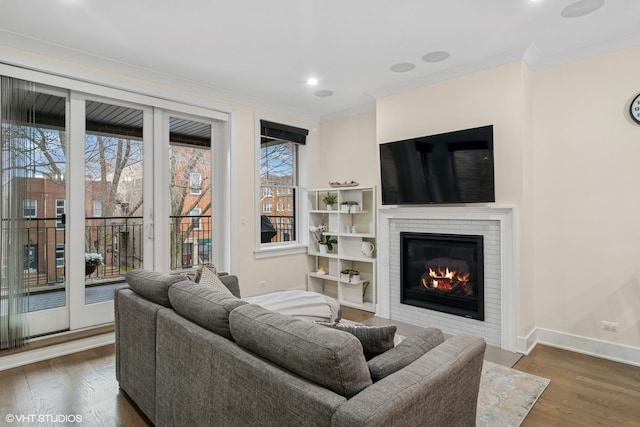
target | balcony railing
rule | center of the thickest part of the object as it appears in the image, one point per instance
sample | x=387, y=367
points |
x=277, y=228
x=118, y=239
x=190, y=241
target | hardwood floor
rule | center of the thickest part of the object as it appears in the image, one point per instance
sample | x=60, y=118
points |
x=584, y=390
x=80, y=384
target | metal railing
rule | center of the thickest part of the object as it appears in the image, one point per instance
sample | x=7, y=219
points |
x=190, y=242
x=118, y=239
x=282, y=229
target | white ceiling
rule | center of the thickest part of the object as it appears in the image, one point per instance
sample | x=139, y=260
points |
x=263, y=51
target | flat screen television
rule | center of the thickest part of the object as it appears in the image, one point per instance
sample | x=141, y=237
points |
x=452, y=167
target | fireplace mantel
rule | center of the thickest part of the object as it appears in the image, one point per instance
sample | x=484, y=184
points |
x=453, y=217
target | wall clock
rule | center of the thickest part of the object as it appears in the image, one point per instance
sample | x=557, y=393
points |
x=634, y=109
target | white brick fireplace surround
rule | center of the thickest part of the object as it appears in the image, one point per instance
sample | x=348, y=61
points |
x=496, y=224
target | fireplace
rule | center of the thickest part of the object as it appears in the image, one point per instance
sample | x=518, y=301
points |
x=443, y=272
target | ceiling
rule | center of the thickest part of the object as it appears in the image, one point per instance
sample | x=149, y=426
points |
x=262, y=52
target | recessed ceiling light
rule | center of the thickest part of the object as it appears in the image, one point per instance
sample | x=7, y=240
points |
x=403, y=67
x=436, y=56
x=581, y=8
x=324, y=93
x=312, y=81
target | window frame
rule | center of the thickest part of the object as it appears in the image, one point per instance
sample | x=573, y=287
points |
x=32, y=207
x=193, y=189
x=302, y=171
x=61, y=206
x=196, y=212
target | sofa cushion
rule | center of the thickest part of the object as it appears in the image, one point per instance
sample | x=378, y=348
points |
x=152, y=285
x=204, y=306
x=209, y=277
x=325, y=356
x=408, y=351
x=375, y=340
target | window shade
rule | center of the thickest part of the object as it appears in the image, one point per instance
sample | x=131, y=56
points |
x=283, y=132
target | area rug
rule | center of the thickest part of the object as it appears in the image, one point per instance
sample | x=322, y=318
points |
x=506, y=395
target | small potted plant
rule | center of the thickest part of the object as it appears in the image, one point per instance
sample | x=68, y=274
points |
x=325, y=241
x=91, y=262
x=350, y=276
x=329, y=200
x=349, y=206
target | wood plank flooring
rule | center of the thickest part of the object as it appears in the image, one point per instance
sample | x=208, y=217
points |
x=584, y=390
x=80, y=384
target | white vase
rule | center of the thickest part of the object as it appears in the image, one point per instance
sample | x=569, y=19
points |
x=323, y=248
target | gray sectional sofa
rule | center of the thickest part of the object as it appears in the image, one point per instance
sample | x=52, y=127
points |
x=190, y=355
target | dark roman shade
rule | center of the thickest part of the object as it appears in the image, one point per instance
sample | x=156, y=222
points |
x=279, y=131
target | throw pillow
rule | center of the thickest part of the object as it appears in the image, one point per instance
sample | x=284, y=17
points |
x=193, y=275
x=408, y=351
x=209, y=277
x=375, y=340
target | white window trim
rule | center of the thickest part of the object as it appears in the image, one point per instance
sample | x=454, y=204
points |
x=35, y=208
x=304, y=171
x=193, y=190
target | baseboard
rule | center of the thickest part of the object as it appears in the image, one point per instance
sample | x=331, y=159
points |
x=589, y=346
x=31, y=356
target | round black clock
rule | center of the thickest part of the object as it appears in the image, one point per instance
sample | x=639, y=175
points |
x=634, y=109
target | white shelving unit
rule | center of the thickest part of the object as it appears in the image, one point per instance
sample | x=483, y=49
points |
x=351, y=225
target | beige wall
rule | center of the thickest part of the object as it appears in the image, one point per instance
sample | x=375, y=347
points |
x=282, y=272
x=587, y=210
x=566, y=157
x=498, y=97
x=347, y=151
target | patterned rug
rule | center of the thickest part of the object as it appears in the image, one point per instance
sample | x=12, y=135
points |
x=506, y=395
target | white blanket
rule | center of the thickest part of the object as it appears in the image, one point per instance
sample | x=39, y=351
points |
x=300, y=304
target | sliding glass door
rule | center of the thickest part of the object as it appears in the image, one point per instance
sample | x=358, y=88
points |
x=34, y=199
x=84, y=176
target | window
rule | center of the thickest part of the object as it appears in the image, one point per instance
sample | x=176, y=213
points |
x=60, y=255
x=60, y=203
x=196, y=222
x=97, y=208
x=278, y=169
x=30, y=208
x=195, y=181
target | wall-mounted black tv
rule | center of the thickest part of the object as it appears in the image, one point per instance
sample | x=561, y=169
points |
x=452, y=167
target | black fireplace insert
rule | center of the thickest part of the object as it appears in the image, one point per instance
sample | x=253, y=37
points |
x=443, y=272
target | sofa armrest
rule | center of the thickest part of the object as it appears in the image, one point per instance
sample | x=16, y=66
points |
x=425, y=392
x=231, y=282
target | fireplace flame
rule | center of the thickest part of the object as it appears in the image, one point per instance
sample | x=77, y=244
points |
x=445, y=279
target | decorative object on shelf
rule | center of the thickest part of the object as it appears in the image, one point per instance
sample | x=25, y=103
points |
x=367, y=249
x=336, y=184
x=321, y=271
x=350, y=276
x=330, y=199
x=91, y=262
x=323, y=239
x=634, y=109
x=350, y=206
x=323, y=248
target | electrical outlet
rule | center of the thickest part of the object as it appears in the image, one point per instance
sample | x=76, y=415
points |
x=262, y=284
x=610, y=326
